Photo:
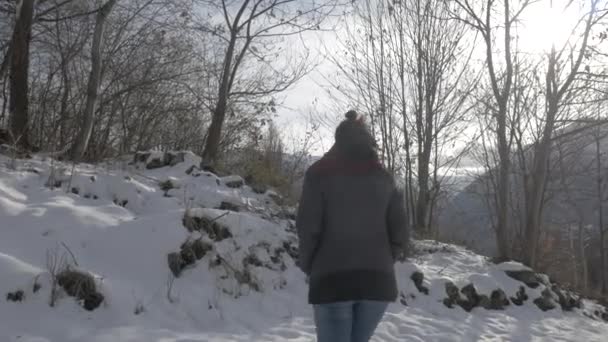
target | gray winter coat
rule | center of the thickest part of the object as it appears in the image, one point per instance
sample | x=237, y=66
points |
x=352, y=226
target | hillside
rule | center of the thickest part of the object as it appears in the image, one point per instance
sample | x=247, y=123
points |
x=570, y=196
x=133, y=226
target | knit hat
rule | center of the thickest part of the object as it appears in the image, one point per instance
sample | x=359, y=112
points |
x=353, y=137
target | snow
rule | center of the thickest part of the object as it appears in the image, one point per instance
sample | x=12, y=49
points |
x=120, y=226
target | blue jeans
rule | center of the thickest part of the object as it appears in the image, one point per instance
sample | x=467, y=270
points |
x=348, y=321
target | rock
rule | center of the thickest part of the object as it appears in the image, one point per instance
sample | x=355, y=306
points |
x=605, y=316
x=166, y=185
x=159, y=160
x=259, y=189
x=470, y=292
x=188, y=256
x=17, y=296
x=82, y=286
x=208, y=167
x=191, y=169
x=291, y=249
x=466, y=305
x=498, y=300
x=92, y=301
x=485, y=302
x=234, y=182
x=544, y=304
x=567, y=300
x=200, y=248
x=253, y=260
x=173, y=158
x=218, y=232
x=32, y=170
x=155, y=163
x=402, y=299
x=214, y=230
x=520, y=296
x=276, y=198
x=530, y=278
x=472, y=298
x=276, y=256
x=175, y=263
x=141, y=157
x=418, y=279
x=229, y=206
x=122, y=203
x=546, y=301
x=452, y=291
x=75, y=190
x=76, y=284
x=453, y=294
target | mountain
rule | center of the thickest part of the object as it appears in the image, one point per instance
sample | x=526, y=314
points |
x=571, y=195
x=151, y=248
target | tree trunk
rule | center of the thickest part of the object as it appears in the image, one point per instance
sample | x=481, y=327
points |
x=504, y=154
x=5, y=62
x=422, y=204
x=63, y=109
x=19, y=68
x=583, y=255
x=502, y=237
x=82, y=141
x=542, y=152
x=600, y=203
x=573, y=254
x=214, y=133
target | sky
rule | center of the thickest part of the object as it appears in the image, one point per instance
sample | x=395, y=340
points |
x=544, y=23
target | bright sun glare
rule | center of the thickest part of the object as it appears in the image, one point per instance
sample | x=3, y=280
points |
x=546, y=23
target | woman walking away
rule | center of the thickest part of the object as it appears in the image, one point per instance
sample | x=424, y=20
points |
x=352, y=227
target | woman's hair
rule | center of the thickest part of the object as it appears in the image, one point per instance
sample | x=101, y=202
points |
x=353, y=138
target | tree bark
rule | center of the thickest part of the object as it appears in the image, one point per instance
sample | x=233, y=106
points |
x=502, y=237
x=504, y=154
x=19, y=69
x=82, y=141
x=219, y=113
x=600, y=203
x=583, y=256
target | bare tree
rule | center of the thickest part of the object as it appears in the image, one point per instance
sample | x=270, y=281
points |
x=405, y=65
x=19, y=68
x=248, y=30
x=436, y=65
x=501, y=82
x=367, y=81
x=558, y=89
x=82, y=142
x=601, y=190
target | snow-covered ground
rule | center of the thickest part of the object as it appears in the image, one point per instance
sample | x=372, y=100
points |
x=116, y=222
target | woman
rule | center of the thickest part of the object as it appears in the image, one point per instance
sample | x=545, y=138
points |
x=352, y=227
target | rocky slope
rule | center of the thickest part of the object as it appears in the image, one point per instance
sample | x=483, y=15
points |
x=151, y=248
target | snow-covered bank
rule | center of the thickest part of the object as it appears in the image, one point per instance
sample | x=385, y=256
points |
x=120, y=223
